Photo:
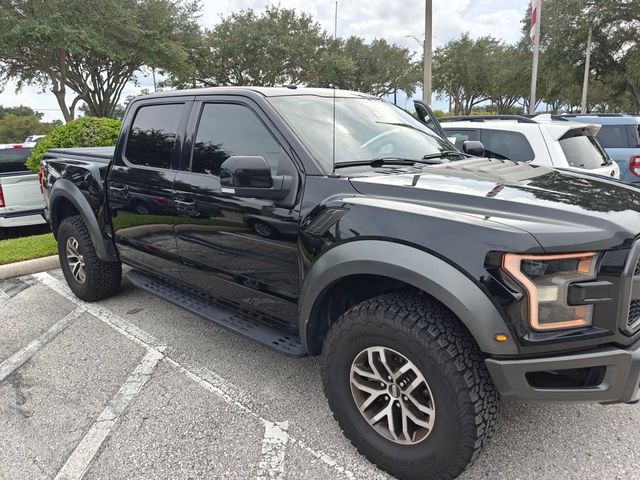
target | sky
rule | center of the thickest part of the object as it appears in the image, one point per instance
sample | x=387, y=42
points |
x=393, y=20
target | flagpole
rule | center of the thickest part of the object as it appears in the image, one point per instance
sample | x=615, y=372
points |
x=536, y=55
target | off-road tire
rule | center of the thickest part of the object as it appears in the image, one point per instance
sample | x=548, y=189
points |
x=425, y=332
x=102, y=278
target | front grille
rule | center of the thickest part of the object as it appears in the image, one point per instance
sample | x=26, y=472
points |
x=634, y=312
x=633, y=316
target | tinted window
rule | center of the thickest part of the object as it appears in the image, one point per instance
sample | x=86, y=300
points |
x=613, y=136
x=153, y=135
x=634, y=136
x=507, y=145
x=13, y=159
x=227, y=130
x=583, y=151
x=461, y=136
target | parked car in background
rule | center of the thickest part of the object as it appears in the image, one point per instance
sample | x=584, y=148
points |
x=21, y=201
x=540, y=141
x=620, y=137
x=32, y=140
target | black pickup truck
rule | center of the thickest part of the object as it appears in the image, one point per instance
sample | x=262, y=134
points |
x=431, y=282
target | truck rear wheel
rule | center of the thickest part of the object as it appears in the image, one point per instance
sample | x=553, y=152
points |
x=408, y=386
x=89, y=278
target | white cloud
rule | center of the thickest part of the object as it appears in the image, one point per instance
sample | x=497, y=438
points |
x=393, y=20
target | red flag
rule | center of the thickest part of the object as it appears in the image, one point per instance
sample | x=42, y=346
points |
x=535, y=4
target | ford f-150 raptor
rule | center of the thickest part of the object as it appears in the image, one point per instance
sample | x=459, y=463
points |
x=334, y=223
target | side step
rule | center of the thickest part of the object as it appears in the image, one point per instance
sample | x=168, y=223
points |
x=253, y=329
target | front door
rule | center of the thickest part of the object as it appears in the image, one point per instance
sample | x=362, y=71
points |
x=242, y=251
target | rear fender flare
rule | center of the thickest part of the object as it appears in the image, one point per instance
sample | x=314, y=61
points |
x=65, y=189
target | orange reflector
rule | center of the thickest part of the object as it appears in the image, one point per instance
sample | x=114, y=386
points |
x=501, y=337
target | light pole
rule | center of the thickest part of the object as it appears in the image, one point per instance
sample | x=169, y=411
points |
x=428, y=51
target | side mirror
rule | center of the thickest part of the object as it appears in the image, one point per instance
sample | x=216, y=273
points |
x=251, y=177
x=473, y=147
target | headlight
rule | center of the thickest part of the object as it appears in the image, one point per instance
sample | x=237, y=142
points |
x=546, y=278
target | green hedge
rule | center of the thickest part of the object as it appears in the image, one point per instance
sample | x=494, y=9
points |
x=83, y=132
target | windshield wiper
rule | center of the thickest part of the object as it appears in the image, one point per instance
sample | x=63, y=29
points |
x=378, y=162
x=436, y=158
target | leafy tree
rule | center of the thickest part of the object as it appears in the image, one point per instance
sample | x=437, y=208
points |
x=92, y=49
x=83, y=132
x=15, y=128
x=275, y=47
x=378, y=68
x=615, y=59
x=20, y=111
x=463, y=70
x=510, y=78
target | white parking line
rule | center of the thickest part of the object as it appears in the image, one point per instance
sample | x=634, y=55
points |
x=274, y=445
x=18, y=359
x=208, y=380
x=79, y=461
x=114, y=321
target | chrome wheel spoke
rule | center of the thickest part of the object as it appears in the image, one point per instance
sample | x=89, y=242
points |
x=75, y=260
x=392, y=395
x=423, y=408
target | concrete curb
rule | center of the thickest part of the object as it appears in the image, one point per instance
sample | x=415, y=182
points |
x=29, y=266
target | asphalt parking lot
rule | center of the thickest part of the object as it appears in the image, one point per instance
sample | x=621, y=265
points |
x=133, y=387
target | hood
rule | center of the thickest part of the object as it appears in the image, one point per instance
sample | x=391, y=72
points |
x=564, y=211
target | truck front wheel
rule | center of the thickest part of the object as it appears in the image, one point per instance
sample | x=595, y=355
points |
x=89, y=278
x=408, y=386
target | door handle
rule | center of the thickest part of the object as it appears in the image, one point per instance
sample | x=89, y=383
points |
x=183, y=203
x=124, y=188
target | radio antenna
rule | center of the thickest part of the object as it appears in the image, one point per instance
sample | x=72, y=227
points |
x=335, y=40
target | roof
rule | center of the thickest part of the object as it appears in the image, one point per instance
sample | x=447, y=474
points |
x=604, y=120
x=556, y=128
x=264, y=91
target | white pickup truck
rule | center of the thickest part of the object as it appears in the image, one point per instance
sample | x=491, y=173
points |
x=21, y=201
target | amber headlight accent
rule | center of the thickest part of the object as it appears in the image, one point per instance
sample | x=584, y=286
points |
x=546, y=279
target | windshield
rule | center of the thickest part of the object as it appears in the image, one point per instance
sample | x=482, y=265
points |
x=366, y=129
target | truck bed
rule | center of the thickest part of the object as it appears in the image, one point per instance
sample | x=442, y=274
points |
x=97, y=154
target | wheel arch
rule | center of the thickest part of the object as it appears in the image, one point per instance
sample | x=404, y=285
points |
x=66, y=200
x=376, y=266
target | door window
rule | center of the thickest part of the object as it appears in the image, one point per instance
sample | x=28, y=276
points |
x=507, y=145
x=460, y=136
x=227, y=130
x=613, y=136
x=153, y=135
x=634, y=136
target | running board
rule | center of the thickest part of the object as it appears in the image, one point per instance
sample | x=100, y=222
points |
x=248, y=327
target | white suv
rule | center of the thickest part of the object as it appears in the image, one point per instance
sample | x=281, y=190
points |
x=541, y=141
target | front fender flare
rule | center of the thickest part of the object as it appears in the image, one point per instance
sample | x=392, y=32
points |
x=415, y=267
x=65, y=189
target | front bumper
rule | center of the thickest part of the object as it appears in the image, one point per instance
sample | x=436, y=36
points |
x=619, y=384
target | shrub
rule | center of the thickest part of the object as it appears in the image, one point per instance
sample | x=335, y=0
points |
x=83, y=132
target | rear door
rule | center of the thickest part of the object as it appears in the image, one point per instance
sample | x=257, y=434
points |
x=20, y=186
x=140, y=185
x=615, y=140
